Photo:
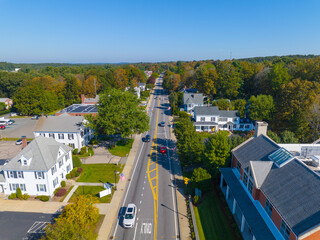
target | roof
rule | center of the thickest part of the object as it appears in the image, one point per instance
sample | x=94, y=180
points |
x=42, y=150
x=92, y=100
x=61, y=123
x=205, y=124
x=4, y=99
x=141, y=84
x=292, y=188
x=257, y=225
x=80, y=108
x=196, y=98
x=214, y=110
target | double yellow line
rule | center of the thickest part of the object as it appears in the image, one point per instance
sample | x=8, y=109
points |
x=154, y=188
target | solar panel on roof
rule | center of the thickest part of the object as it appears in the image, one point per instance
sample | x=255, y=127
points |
x=281, y=157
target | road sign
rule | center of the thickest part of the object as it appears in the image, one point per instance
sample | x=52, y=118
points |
x=186, y=180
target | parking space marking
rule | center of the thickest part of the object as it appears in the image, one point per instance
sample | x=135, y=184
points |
x=37, y=227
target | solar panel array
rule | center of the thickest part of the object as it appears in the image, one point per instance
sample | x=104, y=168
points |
x=78, y=108
x=281, y=156
x=309, y=151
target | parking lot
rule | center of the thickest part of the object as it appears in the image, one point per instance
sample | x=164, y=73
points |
x=23, y=226
x=21, y=127
x=8, y=149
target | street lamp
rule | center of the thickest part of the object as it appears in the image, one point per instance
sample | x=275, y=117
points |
x=115, y=179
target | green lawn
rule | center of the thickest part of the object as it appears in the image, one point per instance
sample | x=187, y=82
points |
x=121, y=149
x=213, y=220
x=91, y=190
x=199, y=226
x=99, y=172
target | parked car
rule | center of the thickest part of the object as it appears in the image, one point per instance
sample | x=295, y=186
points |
x=11, y=122
x=147, y=138
x=19, y=142
x=13, y=114
x=130, y=216
x=34, y=117
x=2, y=126
x=162, y=124
x=163, y=149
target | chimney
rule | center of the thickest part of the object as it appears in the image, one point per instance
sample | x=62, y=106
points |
x=260, y=128
x=227, y=108
x=24, y=141
x=82, y=98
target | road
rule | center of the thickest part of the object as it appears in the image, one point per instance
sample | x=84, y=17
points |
x=151, y=187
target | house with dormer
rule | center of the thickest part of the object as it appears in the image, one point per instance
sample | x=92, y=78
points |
x=270, y=192
x=192, y=100
x=38, y=169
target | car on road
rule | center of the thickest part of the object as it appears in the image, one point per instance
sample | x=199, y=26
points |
x=147, y=138
x=162, y=124
x=19, y=142
x=2, y=126
x=130, y=216
x=35, y=117
x=163, y=149
x=11, y=122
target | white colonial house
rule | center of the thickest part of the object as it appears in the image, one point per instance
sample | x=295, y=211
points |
x=66, y=129
x=192, y=100
x=38, y=169
x=210, y=119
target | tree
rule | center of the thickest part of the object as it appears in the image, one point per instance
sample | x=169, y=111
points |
x=90, y=86
x=121, y=78
x=71, y=91
x=223, y=104
x=201, y=179
x=240, y=105
x=3, y=106
x=288, y=137
x=77, y=221
x=261, y=107
x=273, y=136
x=217, y=151
x=278, y=76
x=119, y=112
x=206, y=77
x=313, y=118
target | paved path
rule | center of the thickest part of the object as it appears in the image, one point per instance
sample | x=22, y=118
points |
x=67, y=198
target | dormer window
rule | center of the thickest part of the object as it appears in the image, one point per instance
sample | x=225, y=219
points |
x=25, y=162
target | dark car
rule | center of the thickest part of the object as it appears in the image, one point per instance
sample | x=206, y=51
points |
x=162, y=124
x=147, y=138
x=35, y=117
x=2, y=127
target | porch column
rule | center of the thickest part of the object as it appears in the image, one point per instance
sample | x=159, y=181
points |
x=243, y=220
x=234, y=206
x=253, y=238
x=227, y=192
x=221, y=181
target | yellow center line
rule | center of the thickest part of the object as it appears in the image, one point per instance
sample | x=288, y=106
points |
x=154, y=189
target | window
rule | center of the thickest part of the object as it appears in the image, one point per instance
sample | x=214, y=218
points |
x=13, y=186
x=13, y=174
x=241, y=126
x=245, y=179
x=250, y=186
x=225, y=126
x=202, y=119
x=189, y=105
x=61, y=136
x=67, y=157
x=41, y=188
x=285, y=230
x=25, y=162
x=60, y=162
x=71, y=145
x=20, y=174
x=51, y=135
x=55, y=182
x=39, y=175
x=235, y=119
x=23, y=187
x=246, y=126
x=223, y=119
x=68, y=168
x=70, y=136
x=238, y=166
x=268, y=207
x=213, y=119
x=53, y=170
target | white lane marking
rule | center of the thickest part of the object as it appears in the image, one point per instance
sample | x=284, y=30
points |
x=135, y=231
x=141, y=194
x=146, y=228
x=37, y=227
x=140, y=202
x=125, y=197
x=139, y=210
x=142, y=188
x=172, y=192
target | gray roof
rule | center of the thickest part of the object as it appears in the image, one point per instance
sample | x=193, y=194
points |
x=257, y=225
x=141, y=84
x=196, y=98
x=92, y=100
x=80, y=108
x=61, y=123
x=214, y=110
x=42, y=150
x=293, y=189
x=3, y=99
x=205, y=124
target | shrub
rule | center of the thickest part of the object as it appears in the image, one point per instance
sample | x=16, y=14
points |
x=61, y=192
x=63, y=183
x=25, y=196
x=55, y=191
x=82, y=152
x=94, y=141
x=196, y=200
x=90, y=151
x=84, y=149
x=19, y=193
x=76, y=174
x=80, y=170
x=12, y=196
x=43, y=198
x=76, y=161
x=68, y=176
x=75, y=151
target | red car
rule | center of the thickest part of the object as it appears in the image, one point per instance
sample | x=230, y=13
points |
x=163, y=149
x=2, y=127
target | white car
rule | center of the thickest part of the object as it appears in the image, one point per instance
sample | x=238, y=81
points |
x=130, y=216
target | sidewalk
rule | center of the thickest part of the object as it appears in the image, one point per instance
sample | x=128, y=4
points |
x=182, y=206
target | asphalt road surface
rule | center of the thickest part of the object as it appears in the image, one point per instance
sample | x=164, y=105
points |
x=151, y=187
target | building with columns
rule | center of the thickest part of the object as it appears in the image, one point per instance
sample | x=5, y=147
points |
x=271, y=193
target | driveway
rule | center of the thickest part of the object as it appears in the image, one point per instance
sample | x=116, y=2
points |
x=8, y=149
x=21, y=127
x=25, y=226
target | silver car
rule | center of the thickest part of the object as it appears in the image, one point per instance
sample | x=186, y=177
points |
x=130, y=216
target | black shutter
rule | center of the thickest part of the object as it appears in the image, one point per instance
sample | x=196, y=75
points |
x=35, y=175
x=8, y=174
x=37, y=188
x=10, y=187
x=22, y=174
x=42, y=175
x=15, y=174
x=45, y=189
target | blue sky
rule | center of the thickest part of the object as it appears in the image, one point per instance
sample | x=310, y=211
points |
x=92, y=31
